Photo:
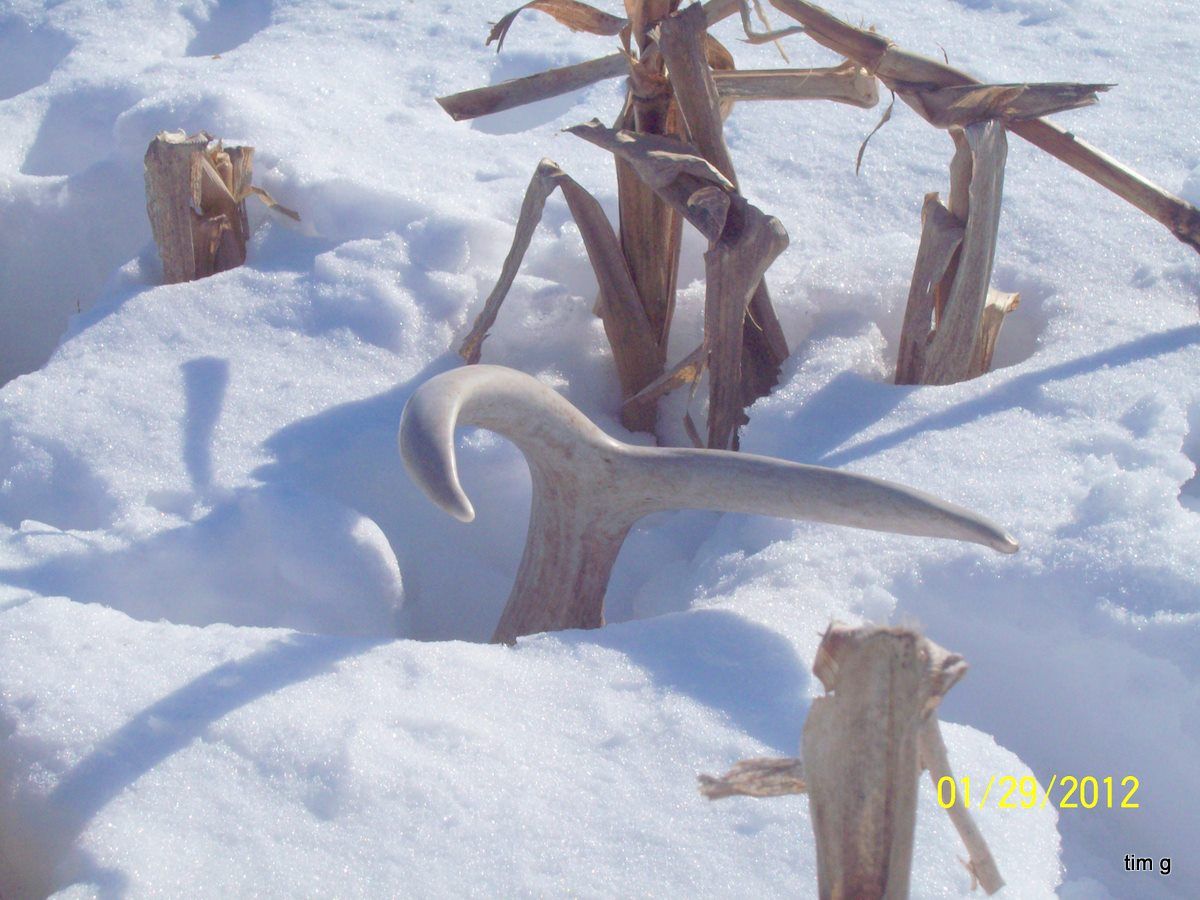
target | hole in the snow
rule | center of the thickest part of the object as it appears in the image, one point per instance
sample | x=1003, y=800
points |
x=86, y=219
x=46, y=482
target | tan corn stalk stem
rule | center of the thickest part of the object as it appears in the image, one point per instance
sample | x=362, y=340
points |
x=950, y=351
x=673, y=66
x=954, y=263
x=754, y=366
x=941, y=236
x=519, y=91
x=999, y=304
x=653, y=202
x=848, y=83
x=625, y=324
x=864, y=745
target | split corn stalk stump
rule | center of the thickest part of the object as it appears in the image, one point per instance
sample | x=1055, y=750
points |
x=864, y=745
x=954, y=267
x=589, y=489
x=196, y=191
x=953, y=317
x=672, y=168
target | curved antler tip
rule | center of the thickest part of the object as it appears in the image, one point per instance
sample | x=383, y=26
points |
x=990, y=535
x=426, y=442
x=460, y=507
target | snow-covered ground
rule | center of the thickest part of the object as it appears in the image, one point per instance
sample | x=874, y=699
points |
x=240, y=653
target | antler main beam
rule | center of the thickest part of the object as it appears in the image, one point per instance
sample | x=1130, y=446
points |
x=589, y=490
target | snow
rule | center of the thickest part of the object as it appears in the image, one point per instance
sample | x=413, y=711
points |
x=241, y=653
x=428, y=769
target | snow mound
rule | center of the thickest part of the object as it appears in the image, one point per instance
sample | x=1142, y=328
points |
x=356, y=767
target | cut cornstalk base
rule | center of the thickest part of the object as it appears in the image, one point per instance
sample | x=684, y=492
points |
x=864, y=745
x=196, y=192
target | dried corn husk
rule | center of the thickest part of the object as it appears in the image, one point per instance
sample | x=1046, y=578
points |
x=575, y=15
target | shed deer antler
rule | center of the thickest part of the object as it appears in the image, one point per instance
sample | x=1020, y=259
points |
x=589, y=490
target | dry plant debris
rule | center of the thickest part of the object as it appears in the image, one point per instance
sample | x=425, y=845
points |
x=864, y=745
x=196, y=192
x=954, y=267
x=672, y=167
x=682, y=83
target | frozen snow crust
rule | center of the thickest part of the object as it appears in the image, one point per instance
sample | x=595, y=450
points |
x=208, y=546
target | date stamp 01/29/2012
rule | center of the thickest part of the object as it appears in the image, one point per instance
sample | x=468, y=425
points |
x=1010, y=792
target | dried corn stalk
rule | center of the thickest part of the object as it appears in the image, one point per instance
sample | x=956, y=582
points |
x=672, y=167
x=196, y=192
x=737, y=376
x=848, y=83
x=950, y=323
x=864, y=745
x=629, y=333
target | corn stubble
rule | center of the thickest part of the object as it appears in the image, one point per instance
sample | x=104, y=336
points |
x=196, y=192
x=673, y=167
